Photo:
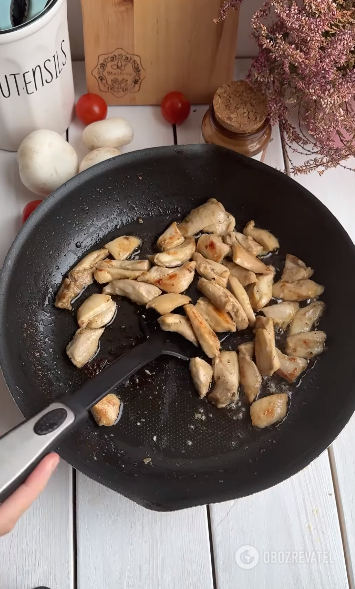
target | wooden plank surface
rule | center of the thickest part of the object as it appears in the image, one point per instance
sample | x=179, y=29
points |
x=39, y=551
x=299, y=515
x=121, y=544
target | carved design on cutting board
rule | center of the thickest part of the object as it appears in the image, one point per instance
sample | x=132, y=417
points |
x=119, y=73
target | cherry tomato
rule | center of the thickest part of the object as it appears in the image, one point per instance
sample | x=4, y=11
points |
x=29, y=208
x=175, y=108
x=91, y=108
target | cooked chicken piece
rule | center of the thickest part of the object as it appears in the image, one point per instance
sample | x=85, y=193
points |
x=223, y=299
x=226, y=378
x=202, y=374
x=84, y=346
x=176, y=256
x=78, y=278
x=212, y=247
x=207, y=214
x=93, y=306
x=178, y=324
x=306, y=317
x=267, y=359
x=250, y=376
x=218, y=320
x=178, y=280
x=265, y=238
x=269, y=410
x=260, y=293
x=168, y=302
x=245, y=259
x=135, y=265
x=244, y=276
x=241, y=296
x=295, y=269
x=211, y=270
x=221, y=228
x=170, y=238
x=102, y=276
x=248, y=243
x=104, y=317
x=122, y=247
x=282, y=313
x=139, y=292
x=154, y=274
x=306, y=345
x=301, y=290
x=207, y=338
x=106, y=411
x=291, y=366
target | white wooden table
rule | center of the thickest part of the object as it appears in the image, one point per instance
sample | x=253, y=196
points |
x=82, y=535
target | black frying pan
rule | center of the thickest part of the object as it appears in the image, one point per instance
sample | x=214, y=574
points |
x=199, y=454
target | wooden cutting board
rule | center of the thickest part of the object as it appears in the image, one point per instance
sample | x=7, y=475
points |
x=138, y=50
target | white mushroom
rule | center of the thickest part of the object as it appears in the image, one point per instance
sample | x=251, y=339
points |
x=226, y=378
x=290, y=366
x=306, y=345
x=94, y=305
x=97, y=156
x=306, y=317
x=104, y=317
x=84, y=346
x=202, y=374
x=139, y=292
x=221, y=228
x=250, y=376
x=269, y=410
x=247, y=242
x=112, y=132
x=211, y=270
x=267, y=359
x=218, y=320
x=102, y=275
x=212, y=247
x=168, y=302
x=260, y=293
x=176, y=256
x=265, y=238
x=177, y=280
x=207, y=338
x=224, y=300
x=301, y=290
x=106, y=411
x=241, y=296
x=178, y=324
x=172, y=237
x=295, y=269
x=244, y=276
x=207, y=214
x=282, y=313
x=122, y=247
x=154, y=275
x=46, y=161
x=245, y=259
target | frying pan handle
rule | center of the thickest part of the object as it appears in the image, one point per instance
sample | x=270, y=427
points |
x=22, y=448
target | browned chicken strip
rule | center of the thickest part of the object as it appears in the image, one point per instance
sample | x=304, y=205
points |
x=211, y=270
x=106, y=411
x=295, y=269
x=306, y=317
x=247, y=242
x=166, y=303
x=212, y=247
x=244, y=276
x=241, y=296
x=202, y=374
x=170, y=238
x=221, y=228
x=102, y=275
x=207, y=338
x=94, y=305
x=306, y=345
x=250, y=376
x=210, y=212
x=218, y=320
x=226, y=378
x=223, y=299
x=178, y=324
x=291, y=366
x=301, y=290
x=282, y=313
x=139, y=292
x=267, y=359
x=245, y=259
x=154, y=275
x=84, y=346
x=176, y=256
x=103, y=318
x=265, y=238
x=260, y=293
x=269, y=410
x=123, y=246
x=178, y=280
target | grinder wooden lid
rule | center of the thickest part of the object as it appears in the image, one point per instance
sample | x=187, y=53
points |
x=239, y=108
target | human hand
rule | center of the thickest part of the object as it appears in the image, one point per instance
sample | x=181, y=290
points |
x=15, y=505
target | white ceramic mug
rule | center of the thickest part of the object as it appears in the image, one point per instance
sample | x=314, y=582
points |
x=36, y=78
